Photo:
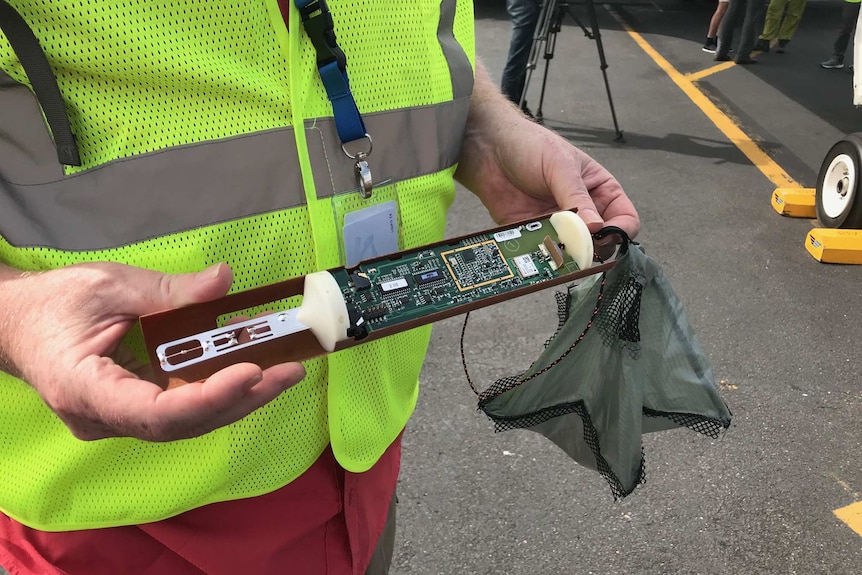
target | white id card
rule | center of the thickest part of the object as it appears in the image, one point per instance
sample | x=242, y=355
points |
x=370, y=232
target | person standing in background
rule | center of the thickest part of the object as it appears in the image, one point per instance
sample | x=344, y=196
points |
x=524, y=15
x=714, y=23
x=748, y=12
x=782, y=19
x=849, y=15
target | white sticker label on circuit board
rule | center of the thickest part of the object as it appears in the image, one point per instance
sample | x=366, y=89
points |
x=393, y=285
x=526, y=266
x=506, y=235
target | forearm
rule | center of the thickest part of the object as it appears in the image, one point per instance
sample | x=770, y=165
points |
x=490, y=114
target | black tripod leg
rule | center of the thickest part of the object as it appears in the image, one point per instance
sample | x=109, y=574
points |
x=597, y=36
x=556, y=24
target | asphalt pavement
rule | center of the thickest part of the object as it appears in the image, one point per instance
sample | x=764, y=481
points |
x=782, y=330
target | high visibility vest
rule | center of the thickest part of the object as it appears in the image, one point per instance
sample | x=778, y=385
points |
x=205, y=136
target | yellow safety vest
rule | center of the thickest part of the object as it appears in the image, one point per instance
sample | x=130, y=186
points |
x=205, y=136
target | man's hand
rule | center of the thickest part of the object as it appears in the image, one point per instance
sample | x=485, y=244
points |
x=60, y=328
x=520, y=169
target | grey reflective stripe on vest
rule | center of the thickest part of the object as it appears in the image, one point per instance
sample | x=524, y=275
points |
x=187, y=187
x=407, y=143
x=459, y=65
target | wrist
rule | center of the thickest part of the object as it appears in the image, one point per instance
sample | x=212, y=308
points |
x=11, y=290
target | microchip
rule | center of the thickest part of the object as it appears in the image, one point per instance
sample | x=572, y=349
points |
x=526, y=267
x=468, y=255
x=391, y=286
x=427, y=277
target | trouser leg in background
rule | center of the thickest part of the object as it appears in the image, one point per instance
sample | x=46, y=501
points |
x=524, y=15
x=848, y=22
x=731, y=20
x=792, y=17
x=748, y=36
x=773, y=19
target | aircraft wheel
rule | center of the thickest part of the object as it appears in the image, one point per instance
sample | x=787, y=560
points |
x=838, y=200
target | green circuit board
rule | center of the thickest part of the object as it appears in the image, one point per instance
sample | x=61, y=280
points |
x=390, y=291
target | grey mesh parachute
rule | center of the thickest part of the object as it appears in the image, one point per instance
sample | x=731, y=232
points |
x=624, y=361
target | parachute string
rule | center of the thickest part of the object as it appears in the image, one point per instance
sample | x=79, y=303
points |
x=464, y=357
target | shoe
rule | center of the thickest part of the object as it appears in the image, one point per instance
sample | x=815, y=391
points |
x=762, y=45
x=832, y=63
x=745, y=60
x=781, y=45
x=721, y=57
x=710, y=46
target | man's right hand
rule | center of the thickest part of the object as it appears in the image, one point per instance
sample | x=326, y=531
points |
x=59, y=330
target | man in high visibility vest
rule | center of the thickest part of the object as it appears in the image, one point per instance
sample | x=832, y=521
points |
x=162, y=153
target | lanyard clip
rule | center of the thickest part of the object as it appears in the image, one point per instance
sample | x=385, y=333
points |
x=363, y=175
x=318, y=24
x=361, y=168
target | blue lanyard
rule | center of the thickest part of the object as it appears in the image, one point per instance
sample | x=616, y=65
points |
x=332, y=67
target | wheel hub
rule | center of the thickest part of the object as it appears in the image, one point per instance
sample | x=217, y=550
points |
x=838, y=184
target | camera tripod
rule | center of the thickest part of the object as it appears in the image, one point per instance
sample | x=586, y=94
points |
x=545, y=40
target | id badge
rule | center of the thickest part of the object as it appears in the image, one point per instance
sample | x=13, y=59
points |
x=367, y=230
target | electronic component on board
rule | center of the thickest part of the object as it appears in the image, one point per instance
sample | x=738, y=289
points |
x=526, y=266
x=427, y=277
x=512, y=234
x=360, y=281
x=392, y=286
x=477, y=265
x=376, y=312
x=554, y=252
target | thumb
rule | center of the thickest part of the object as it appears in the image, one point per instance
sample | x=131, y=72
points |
x=577, y=197
x=590, y=216
x=569, y=189
x=176, y=290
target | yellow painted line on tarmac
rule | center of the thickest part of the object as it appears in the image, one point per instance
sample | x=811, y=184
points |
x=852, y=516
x=695, y=76
x=722, y=121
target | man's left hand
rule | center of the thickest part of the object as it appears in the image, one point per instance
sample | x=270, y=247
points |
x=520, y=169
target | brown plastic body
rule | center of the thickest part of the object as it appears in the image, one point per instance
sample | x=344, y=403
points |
x=174, y=324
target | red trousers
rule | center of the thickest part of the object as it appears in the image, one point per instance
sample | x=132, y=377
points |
x=326, y=522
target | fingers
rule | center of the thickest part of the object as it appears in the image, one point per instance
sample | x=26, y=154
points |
x=117, y=404
x=225, y=397
x=599, y=197
x=71, y=355
x=571, y=175
x=631, y=224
